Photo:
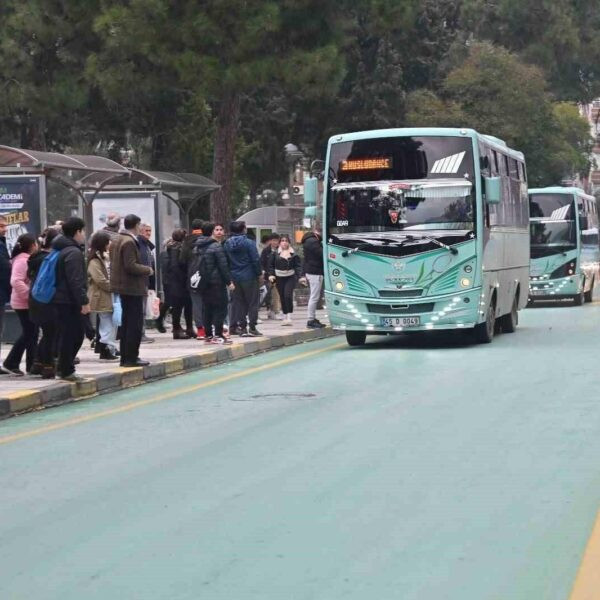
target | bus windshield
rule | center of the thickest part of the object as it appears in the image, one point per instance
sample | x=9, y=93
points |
x=399, y=183
x=552, y=224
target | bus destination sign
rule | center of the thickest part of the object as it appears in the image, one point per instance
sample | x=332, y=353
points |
x=366, y=164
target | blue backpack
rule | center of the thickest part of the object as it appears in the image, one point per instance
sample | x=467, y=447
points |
x=44, y=287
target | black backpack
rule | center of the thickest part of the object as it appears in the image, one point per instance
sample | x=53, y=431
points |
x=199, y=279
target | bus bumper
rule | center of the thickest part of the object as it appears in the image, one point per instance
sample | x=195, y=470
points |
x=460, y=310
x=555, y=289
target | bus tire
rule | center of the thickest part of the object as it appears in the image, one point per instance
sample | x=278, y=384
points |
x=510, y=321
x=484, y=332
x=579, y=299
x=589, y=295
x=356, y=338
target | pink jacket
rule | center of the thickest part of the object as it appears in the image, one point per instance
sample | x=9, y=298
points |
x=19, y=281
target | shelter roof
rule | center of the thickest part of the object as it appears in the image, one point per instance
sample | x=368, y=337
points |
x=81, y=172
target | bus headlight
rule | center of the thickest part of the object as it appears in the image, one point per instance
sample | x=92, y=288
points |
x=465, y=282
x=339, y=286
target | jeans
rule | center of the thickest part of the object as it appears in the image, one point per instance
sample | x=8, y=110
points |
x=70, y=325
x=2, y=310
x=47, y=346
x=244, y=302
x=197, y=309
x=285, y=287
x=107, y=330
x=131, y=327
x=316, y=284
x=26, y=342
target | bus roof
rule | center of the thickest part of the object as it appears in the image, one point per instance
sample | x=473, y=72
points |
x=562, y=190
x=495, y=142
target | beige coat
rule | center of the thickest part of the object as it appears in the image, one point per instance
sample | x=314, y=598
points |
x=99, y=286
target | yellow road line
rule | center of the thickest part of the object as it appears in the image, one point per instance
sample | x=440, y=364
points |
x=587, y=582
x=186, y=390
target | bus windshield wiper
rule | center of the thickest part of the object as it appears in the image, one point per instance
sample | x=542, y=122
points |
x=412, y=238
x=361, y=246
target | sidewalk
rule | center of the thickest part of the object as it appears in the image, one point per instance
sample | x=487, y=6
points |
x=166, y=355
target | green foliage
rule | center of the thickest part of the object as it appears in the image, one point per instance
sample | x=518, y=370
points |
x=495, y=92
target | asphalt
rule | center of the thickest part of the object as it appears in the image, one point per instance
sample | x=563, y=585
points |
x=413, y=468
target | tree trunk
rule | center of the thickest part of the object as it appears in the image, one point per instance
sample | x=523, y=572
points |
x=33, y=135
x=226, y=129
x=253, y=198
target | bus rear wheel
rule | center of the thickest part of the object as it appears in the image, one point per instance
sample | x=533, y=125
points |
x=510, y=321
x=356, y=338
x=484, y=332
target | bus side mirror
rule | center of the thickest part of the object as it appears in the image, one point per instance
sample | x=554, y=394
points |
x=493, y=190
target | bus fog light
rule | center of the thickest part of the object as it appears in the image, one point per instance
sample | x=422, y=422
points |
x=339, y=286
x=465, y=282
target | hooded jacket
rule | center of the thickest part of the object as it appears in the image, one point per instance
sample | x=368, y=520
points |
x=99, y=285
x=313, y=254
x=244, y=261
x=216, y=263
x=71, y=278
x=175, y=280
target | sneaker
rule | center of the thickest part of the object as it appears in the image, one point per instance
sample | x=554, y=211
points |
x=286, y=323
x=315, y=324
x=220, y=341
x=279, y=316
x=208, y=340
x=160, y=327
x=73, y=378
x=259, y=321
x=191, y=333
x=147, y=340
x=10, y=371
x=244, y=333
x=271, y=315
x=201, y=333
x=253, y=332
x=179, y=334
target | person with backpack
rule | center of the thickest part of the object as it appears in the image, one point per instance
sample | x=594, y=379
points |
x=129, y=279
x=26, y=343
x=215, y=279
x=101, y=301
x=312, y=245
x=244, y=263
x=186, y=259
x=285, y=270
x=70, y=296
x=175, y=284
x=43, y=315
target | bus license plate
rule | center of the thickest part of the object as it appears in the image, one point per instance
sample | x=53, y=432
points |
x=537, y=292
x=400, y=321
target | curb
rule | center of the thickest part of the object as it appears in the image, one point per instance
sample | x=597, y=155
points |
x=62, y=393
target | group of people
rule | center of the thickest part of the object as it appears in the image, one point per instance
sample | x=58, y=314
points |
x=216, y=282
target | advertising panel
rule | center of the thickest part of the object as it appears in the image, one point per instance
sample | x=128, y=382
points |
x=22, y=202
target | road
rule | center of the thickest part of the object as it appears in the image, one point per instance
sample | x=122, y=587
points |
x=412, y=468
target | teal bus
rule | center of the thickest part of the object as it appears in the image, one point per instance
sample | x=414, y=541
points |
x=425, y=229
x=565, y=256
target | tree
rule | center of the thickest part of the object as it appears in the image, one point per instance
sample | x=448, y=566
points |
x=495, y=92
x=220, y=50
x=43, y=46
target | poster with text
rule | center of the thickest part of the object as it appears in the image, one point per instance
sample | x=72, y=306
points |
x=20, y=203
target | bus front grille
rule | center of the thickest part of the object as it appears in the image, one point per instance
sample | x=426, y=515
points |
x=400, y=309
x=414, y=293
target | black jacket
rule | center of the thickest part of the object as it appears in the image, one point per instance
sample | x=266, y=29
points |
x=5, y=269
x=146, y=258
x=216, y=263
x=185, y=255
x=265, y=258
x=313, y=254
x=175, y=281
x=278, y=263
x=71, y=276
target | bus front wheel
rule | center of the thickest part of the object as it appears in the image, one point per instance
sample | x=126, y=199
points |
x=579, y=299
x=589, y=295
x=484, y=332
x=356, y=338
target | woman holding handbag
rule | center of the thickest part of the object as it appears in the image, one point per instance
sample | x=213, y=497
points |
x=285, y=270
